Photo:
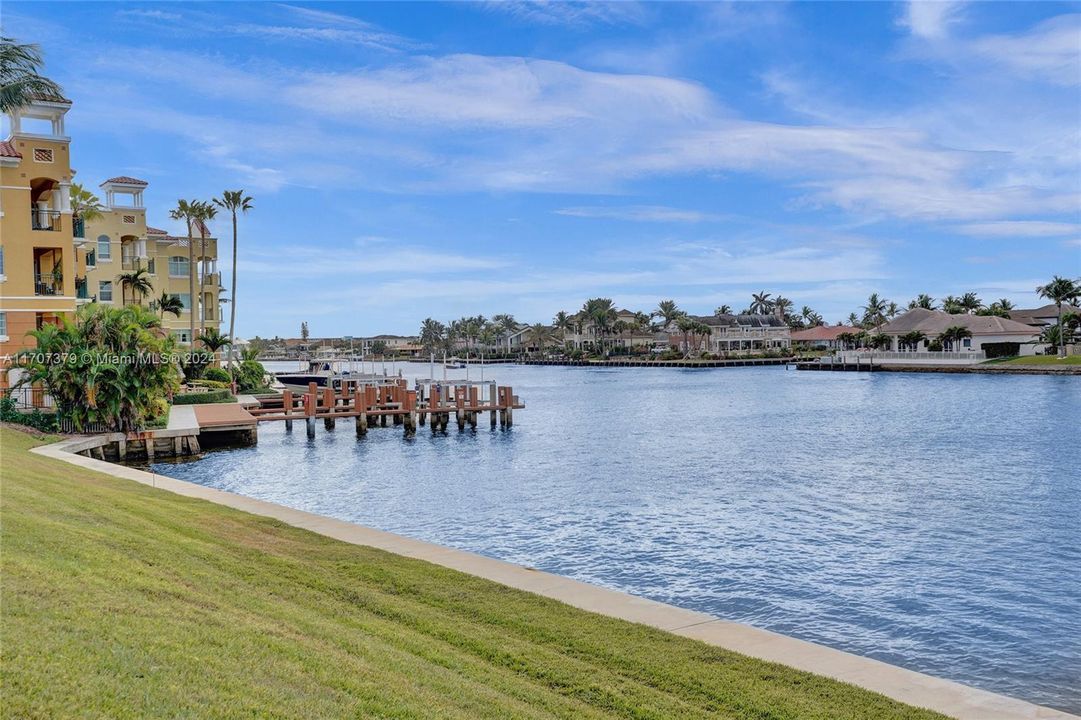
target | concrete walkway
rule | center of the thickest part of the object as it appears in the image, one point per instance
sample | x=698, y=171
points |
x=911, y=687
x=182, y=417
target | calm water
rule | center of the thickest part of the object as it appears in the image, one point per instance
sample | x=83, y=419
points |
x=930, y=521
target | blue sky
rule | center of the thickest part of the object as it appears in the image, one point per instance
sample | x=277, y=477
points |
x=413, y=160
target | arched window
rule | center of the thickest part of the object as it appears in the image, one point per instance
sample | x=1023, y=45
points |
x=105, y=251
x=179, y=267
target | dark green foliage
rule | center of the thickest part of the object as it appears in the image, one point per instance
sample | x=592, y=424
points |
x=46, y=422
x=250, y=376
x=218, y=375
x=203, y=398
x=1001, y=349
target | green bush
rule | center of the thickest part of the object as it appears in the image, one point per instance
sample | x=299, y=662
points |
x=1001, y=349
x=211, y=396
x=218, y=375
x=195, y=364
x=210, y=384
x=250, y=376
x=46, y=422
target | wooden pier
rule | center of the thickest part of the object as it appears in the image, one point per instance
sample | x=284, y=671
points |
x=393, y=403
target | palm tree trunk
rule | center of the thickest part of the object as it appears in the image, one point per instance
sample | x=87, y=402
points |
x=202, y=280
x=1061, y=337
x=232, y=294
x=192, y=304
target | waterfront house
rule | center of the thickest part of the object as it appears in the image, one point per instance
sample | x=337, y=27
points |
x=986, y=330
x=1042, y=317
x=407, y=345
x=823, y=337
x=626, y=330
x=37, y=238
x=736, y=333
x=121, y=241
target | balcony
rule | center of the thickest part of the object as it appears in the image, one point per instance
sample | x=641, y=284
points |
x=211, y=278
x=82, y=291
x=48, y=284
x=45, y=219
x=78, y=228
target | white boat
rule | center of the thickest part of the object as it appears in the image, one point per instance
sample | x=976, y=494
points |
x=325, y=372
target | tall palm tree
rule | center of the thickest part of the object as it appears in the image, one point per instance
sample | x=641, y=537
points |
x=539, y=335
x=204, y=211
x=722, y=310
x=954, y=335
x=563, y=323
x=168, y=303
x=602, y=312
x=952, y=305
x=1061, y=291
x=781, y=306
x=874, y=312
x=138, y=282
x=20, y=78
x=760, y=303
x=432, y=333
x=187, y=210
x=923, y=300
x=233, y=201
x=912, y=339
x=668, y=311
x=853, y=320
x=971, y=302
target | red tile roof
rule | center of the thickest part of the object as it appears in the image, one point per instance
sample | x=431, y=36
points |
x=822, y=332
x=8, y=150
x=155, y=231
x=125, y=180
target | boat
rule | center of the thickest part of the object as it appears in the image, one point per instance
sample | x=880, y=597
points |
x=324, y=372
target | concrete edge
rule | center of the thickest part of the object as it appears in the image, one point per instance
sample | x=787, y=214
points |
x=908, y=686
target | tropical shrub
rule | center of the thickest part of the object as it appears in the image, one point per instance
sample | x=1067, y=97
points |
x=202, y=398
x=195, y=363
x=217, y=374
x=112, y=366
x=1001, y=349
x=215, y=384
x=250, y=376
x=9, y=412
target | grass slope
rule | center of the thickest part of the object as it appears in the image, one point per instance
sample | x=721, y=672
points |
x=1040, y=360
x=119, y=600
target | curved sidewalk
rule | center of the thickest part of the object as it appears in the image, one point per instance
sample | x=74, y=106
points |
x=914, y=688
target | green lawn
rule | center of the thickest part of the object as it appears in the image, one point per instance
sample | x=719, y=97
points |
x=1040, y=360
x=122, y=601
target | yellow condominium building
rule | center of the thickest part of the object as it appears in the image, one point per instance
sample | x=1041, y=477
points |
x=37, y=253
x=120, y=242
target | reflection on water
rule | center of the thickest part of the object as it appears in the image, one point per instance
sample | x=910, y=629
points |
x=929, y=521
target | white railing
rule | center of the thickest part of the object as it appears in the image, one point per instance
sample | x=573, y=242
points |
x=893, y=357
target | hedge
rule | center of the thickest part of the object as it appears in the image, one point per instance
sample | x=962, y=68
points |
x=212, y=396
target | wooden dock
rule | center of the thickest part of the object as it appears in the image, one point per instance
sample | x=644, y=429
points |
x=392, y=403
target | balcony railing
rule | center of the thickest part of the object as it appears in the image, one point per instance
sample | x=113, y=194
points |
x=45, y=219
x=78, y=228
x=48, y=284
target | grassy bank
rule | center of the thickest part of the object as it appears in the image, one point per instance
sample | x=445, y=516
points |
x=119, y=600
x=1039, y=361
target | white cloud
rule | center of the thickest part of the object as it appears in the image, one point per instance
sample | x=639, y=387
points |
x=638, y=213
x=1051, y=51
x=1021, y=228
x=930, y=19
x=572, y=14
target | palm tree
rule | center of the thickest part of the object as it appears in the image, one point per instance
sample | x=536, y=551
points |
x=85, y=205
x=187, y=211
x=953, y=335
x=853, y=320
x=539, y=335
x=204, y=211
x=20, y=81
x=893, y=310
x=506, y=323
x=602, y=312
x=952, y=305
x=432, y=334
x=923, y=300
x=723, y=310
x=912, y=339
x=760, y=303
x=138, y=281
x=233, y=201
x=213, y=340
x=563, y=323
x=971, y=302
x=169, y=303
x=874, y=312
x=1060, y=291
x=781, y=306
x=668, y=311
